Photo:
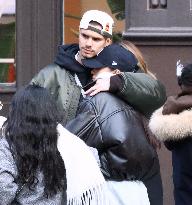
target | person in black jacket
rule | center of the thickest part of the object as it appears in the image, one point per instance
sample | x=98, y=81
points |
x=117, y=131
x=172, y=124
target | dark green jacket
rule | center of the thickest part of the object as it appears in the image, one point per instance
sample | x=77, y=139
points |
x=143, y=92
x=140, y=90
x=61, y=83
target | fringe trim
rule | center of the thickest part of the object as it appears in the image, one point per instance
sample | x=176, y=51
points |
x=94, y=196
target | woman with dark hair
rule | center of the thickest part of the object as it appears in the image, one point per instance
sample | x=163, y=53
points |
x=40, y=161
x=31, y=168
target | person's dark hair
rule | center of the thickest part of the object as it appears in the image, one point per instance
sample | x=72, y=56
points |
x=186, y=76
x=31, y=132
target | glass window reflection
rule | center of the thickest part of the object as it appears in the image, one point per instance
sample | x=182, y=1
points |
x=7, y=45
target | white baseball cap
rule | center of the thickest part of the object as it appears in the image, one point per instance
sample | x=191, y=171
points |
x=104, y=19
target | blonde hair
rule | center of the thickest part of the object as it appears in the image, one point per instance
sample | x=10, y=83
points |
x=137, y=53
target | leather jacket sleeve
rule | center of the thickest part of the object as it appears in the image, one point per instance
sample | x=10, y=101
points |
x=129, y=155
x=143, y=92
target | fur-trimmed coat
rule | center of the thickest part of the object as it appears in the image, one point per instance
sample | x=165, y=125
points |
x=171, y=127
x=175, y=130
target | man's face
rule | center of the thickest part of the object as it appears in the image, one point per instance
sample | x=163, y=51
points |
x=91, y=43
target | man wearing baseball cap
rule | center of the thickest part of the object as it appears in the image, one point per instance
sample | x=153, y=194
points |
x=66, y=77
x=95, y=32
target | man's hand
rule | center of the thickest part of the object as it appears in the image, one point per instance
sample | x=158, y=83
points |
x=101, y=85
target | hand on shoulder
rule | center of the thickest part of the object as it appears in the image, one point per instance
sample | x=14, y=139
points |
x=101, y=85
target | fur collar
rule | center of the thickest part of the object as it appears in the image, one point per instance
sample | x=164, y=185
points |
x=172, y=126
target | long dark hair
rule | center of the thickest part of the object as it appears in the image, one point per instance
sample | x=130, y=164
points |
x=31, y=132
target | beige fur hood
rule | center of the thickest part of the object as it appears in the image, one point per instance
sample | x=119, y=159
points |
x=172, y=126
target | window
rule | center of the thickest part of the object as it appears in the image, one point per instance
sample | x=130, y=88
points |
x=7, y=45
x=158, y=18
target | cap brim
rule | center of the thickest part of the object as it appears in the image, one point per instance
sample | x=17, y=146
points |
x=92, y=63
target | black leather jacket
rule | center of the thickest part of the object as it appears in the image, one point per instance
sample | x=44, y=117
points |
x=115, y=129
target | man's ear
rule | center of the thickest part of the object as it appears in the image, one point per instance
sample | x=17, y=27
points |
x=108, y=42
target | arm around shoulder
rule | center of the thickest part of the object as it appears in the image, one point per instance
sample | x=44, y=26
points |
x=143, y=92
